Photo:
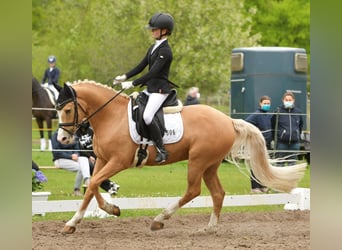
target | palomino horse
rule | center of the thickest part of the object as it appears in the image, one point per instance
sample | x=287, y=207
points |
x=208, y=136
x=43, y=110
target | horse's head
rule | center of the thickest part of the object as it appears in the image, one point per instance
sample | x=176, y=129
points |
x=66, y=107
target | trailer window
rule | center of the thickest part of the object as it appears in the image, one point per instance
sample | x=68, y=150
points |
x=236, y=62
x=301, y=62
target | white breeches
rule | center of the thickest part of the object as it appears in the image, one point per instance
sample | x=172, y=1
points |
x=52, y=88
x=155, y=100
x=81, y=166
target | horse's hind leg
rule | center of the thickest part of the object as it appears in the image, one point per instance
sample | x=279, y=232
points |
x=212, y=181
x=194, y=189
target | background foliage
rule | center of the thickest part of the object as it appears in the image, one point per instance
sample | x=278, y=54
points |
x=101, y=39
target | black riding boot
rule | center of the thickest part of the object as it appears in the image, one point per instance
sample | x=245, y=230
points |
x=158, y=142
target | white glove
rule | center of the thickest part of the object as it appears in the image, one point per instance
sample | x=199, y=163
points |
x=127, y=85
x=119, y=79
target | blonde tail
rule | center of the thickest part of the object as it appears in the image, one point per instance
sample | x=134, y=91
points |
x=250, y=144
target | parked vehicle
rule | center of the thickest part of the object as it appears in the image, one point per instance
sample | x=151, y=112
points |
x=258, y=71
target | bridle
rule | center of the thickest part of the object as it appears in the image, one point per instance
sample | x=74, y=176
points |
x=75, y=124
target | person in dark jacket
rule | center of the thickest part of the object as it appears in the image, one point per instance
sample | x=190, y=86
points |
x=192, y=97
x=67, y=156
x=262, y=120
x=51, y=76
x=287, y=126
x=85, y=135
x=52, y=73
x=158, y=59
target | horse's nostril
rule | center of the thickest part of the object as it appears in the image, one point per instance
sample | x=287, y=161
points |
x=64, y=138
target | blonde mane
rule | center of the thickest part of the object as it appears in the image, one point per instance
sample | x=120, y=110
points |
x=98, y=84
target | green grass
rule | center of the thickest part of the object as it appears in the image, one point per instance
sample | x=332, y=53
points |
x=155, y=182
x=170, y=180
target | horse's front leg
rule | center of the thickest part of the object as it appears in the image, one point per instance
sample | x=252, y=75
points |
x=70, y=226
x=49, y=126
x=100, y=174
x=40, y=124
x=104, y=205
x=93, y=190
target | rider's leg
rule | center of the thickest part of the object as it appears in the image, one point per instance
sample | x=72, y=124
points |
x=154, y=102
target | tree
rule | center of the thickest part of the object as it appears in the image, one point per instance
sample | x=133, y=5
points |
x=282, y=22
x=100, y=39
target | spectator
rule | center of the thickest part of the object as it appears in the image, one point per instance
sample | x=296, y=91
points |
x=51, y=76
x=262, y=120
x=67, y=156
x=287, y=126
x=85, y=135
x=192, y=97
x=158, y=59
x=35, y=166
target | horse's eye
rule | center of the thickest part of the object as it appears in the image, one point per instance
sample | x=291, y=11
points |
x=68, y=111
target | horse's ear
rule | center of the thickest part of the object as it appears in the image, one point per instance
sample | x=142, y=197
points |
x=66, y=87
x=66, y=84
x=67, y=94
x=57, y=87
x=69, y=90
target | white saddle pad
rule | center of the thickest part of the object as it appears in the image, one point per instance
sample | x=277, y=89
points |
x=48, y=88
x=173, y=125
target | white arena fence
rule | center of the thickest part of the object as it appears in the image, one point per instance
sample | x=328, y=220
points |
x=298, y=199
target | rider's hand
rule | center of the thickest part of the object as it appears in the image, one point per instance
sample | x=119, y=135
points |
x=127, y=85
x=119, y=79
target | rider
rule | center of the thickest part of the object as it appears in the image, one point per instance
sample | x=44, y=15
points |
x=158, y=58
x=51, y=75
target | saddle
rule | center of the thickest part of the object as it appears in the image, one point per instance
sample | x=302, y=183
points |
x=51, y=91
x=138, y=104
x=170, y=105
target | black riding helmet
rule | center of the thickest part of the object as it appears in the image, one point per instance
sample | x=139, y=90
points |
x=51, y=59
x=161, y=21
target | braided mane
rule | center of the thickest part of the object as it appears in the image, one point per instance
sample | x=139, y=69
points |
x=98, y=84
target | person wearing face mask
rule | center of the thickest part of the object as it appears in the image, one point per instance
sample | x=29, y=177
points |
x=158, y=59
x=262, y=120
x=287, y=126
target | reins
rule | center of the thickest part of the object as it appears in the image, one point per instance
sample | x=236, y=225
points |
x=76, y=104
x=99, y=109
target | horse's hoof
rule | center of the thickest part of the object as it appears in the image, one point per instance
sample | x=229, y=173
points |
x=68, y=230
x=156, y=225
x=116, y=211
